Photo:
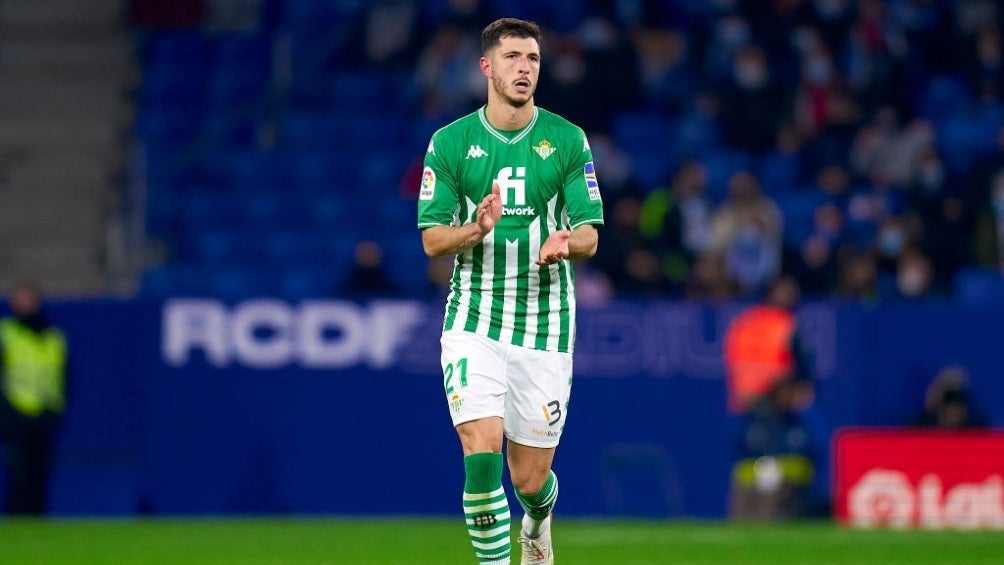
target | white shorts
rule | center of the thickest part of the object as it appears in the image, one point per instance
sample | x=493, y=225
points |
x=527, y=388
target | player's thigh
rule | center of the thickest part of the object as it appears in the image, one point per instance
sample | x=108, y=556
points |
x=473, y=369
x=539, y=385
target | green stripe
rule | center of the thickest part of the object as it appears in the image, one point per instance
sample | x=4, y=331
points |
x=544, y=307
x=563, y=268
x=522, y=290
x=498, y=289
x=475, y=296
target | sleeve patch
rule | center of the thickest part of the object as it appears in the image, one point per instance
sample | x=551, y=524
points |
x=591, y=185
x=428, y=184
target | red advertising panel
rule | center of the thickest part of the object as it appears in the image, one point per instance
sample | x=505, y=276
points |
x=919, y=478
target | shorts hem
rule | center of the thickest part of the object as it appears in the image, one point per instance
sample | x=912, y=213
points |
x=476, y=416
x=532, y=442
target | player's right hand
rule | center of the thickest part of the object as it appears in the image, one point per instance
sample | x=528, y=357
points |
x=490, y=210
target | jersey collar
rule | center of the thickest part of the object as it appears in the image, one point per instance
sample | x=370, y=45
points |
x=516, y=136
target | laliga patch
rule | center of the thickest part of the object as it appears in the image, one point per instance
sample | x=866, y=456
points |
x=428, y=184
x=591, y=185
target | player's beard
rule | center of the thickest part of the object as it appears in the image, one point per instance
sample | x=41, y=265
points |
x=502, y=89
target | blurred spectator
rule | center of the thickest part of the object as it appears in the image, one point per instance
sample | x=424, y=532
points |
x=665, y=75
x=369, y=277
x=914, y=276
x=948, y=403
x=990, y=227
x=746, y=232
x=390, y=33
x=771, y=393
x=628, y=263
x=33, y=361
x=886, y=152
x=753, y=106
x=449, y=83
x=676, y=220
x=761, y=345
x=708, y=280
x=858, y=279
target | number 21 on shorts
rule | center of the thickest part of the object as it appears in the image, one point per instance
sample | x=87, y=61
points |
x=458, y=369
x=461, y=368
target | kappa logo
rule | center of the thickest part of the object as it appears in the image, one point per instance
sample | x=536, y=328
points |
x=431, y=148
x=475, y=152
x=585, y=144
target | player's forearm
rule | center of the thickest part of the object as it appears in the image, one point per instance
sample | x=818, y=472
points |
x=441, y=241
x=583, y=242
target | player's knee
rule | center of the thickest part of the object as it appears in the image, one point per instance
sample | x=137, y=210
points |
x=528, y=482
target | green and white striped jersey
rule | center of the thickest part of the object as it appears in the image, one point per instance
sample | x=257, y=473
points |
x=547, y=181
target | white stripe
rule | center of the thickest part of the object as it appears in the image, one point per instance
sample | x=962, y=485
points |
x=484, y=495
x=533, y=294
x=487, y=282
x=570, y=286
x=491, y=129
x=554, y=298
x=488, y=126
x=509, y=294
x=464, y=283
x=526, y=130
x=493, y=545
x=485, y=507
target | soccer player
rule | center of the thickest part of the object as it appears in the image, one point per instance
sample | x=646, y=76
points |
x=511, y=191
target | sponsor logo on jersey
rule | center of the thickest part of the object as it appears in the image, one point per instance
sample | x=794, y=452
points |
x=431, y=148
x=544, y=149
x=512, y=189
x=475, y=152
x=591, y=185
x=428, y=184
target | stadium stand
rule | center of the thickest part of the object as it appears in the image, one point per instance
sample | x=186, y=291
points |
x=271, y=145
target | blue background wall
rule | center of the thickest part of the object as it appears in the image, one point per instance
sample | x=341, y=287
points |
x=158, y=427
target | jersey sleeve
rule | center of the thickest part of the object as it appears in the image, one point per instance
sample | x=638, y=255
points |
x=438, y=194
x=582, y=191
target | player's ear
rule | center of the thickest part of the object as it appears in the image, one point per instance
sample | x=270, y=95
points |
x=486, y=67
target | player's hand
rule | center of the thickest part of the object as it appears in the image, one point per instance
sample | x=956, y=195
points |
x=490, y=210
x=555, y=248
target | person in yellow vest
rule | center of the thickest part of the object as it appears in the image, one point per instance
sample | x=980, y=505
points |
x=33, y=356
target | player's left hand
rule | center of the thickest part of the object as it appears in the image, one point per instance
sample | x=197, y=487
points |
x=555, y=248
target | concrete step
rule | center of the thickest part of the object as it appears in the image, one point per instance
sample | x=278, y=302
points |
x=63, y=14
x=87, y=131
x=78, y=58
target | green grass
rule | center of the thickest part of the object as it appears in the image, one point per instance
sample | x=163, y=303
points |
x=344, y=541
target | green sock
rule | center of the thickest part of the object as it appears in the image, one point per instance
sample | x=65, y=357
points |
x=486, y=508
x=538, y=506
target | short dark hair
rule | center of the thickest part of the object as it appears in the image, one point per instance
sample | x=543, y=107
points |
x=492, y=35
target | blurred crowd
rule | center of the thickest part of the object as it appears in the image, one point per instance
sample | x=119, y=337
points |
x=854, y=145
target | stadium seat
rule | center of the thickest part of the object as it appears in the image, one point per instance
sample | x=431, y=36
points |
x=979, y=287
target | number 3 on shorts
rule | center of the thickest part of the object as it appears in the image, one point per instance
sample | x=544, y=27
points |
x=552, y=412
x=461, y=367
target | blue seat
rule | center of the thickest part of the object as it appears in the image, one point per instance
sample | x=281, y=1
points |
x=979, y=287
x=720, y=166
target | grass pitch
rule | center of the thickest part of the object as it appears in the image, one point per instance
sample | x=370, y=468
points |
x=344, y=541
